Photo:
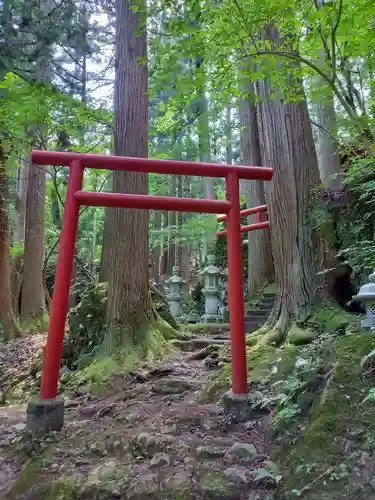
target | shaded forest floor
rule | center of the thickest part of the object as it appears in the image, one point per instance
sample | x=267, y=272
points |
x=149, y=437
x=161, y=433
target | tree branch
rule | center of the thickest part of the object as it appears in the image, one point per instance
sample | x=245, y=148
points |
x=296, y=57
x=325, y=131
x=333, y=40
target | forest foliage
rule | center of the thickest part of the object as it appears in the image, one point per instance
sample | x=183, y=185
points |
x=203, y=61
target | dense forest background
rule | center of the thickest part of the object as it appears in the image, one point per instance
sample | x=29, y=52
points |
x=288, y=86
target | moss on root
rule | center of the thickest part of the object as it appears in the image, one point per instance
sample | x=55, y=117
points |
x=113, y=359
x=320, y=317
x=259, y=360
x=88, y=328
x=207, y=328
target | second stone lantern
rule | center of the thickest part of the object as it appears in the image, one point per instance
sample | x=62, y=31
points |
x=211, y=291
x=174, y=297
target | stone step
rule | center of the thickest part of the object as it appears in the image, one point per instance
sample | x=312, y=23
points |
x=252, y=326
x=258, y=314
x=199, y=343
x=267, y=301
x=262, y=308
x=267, y=295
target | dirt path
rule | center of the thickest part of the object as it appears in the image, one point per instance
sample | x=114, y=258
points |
x=150, y=439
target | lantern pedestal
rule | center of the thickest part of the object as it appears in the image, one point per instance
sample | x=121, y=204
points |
x=174, y=303
x=211, y=276
x=211, y=307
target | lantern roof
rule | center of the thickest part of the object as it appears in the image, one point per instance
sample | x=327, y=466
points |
x=367, y=291
x=176, y=278
x=211, y=268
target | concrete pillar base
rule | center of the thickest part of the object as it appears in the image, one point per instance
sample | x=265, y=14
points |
x=239, y=407
x=45, y=415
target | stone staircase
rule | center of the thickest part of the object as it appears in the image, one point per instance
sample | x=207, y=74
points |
x=255, y=318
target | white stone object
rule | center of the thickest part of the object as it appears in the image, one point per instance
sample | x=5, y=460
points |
x=366, y=295
x=211, y=278
x=174, y=296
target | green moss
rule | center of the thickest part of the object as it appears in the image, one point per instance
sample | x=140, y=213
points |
x=215, y=483
x=300, y=336
x=61, y=490
x=207, y=328
x=271, y=287
x=88, y=331
x=37, y=323
x=327, y=317
x=286, y=361
x=260, y=358
x=113, y=360
x=27, y=479
x=185, y=493
x=338, y=412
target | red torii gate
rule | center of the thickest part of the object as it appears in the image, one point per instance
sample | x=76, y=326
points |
x=76, y=197
x=244, y=213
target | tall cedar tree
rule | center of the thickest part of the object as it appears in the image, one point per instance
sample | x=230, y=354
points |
x=260, y=265
x=129, y=307
x=287, y=144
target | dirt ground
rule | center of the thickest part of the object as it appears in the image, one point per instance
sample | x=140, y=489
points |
x=150, y=437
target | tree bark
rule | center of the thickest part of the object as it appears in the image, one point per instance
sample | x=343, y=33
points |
x=129, y=307
x=185, y=253
x=33, y=304
x=329, y=159
x=156, y=248
x=260, y=265
x=164, y=266
x=287, y=146
x=107, y=239
x=171, y=260
x=33, y=299
x=179, y=223
x=228, y=133
x=205, y=157
x=7, y=318
x=328, y=155
x=19, y=235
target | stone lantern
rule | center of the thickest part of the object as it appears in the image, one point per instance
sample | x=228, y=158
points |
x=211, y=278
x=366, y=295
x=174, y=295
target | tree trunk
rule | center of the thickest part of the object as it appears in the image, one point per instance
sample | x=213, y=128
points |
x=107, y=239
x=329, y=159
x=205, y=156
x=33, y=304
x=179, y=223
x=328, y=155
x=171, y=261
x=164, y=266
x=33, y=299
x=260, y=266
x=7, y=318
x=19, y=235
x=228, y=131
x=204, y=144
x=129, y=307
x=185, y=253
x=156, y=248
x=287, y=146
